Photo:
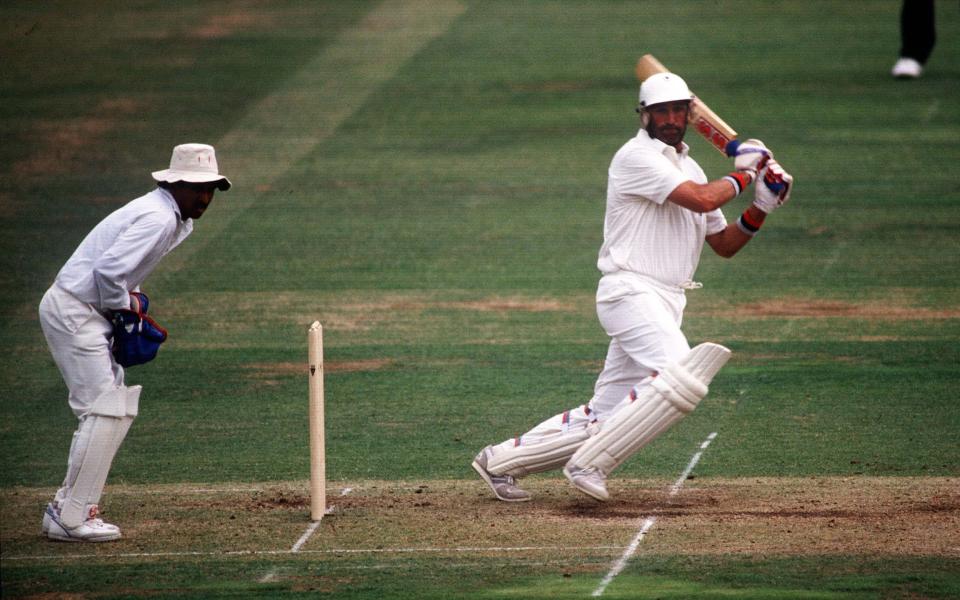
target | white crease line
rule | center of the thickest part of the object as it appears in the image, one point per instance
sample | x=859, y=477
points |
x=272, y=575
x=408, y=550
x=313, y=526
x=148, y=492
x=142, y=492
x=650, y=522
x=306, y=536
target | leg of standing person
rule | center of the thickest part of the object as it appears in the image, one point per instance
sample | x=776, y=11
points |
x=918, y=35
x=644, y=333
x=647, y=327
x=79, y=340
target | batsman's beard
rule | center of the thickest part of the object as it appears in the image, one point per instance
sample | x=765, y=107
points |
x=670, y=135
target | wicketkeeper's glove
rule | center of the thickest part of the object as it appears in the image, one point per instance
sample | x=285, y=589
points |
x=136, y=337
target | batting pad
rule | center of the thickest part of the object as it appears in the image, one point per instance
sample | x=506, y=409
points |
x=552, y=453
x=669, y=397
x=100, y=434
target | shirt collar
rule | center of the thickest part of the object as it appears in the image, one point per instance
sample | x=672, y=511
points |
x=166, y=195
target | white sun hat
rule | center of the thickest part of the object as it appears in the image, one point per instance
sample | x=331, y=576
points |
x=196, y=163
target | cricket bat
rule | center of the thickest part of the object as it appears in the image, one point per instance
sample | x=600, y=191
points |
x=705, y=121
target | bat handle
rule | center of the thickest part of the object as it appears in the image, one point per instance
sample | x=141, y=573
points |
x=731, y=149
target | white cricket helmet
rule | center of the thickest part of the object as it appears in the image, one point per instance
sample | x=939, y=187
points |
x=663, y=87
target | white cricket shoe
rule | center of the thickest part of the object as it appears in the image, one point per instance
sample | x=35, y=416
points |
x=590, y=481
x=91, y=530
x=906, y=68
x=504, y=486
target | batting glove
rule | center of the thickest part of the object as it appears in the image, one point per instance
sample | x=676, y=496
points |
x=749, y=156
x=775, y=188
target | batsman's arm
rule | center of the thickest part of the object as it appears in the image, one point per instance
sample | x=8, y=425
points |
x=735, y=236
x=706, y=197
x=772, y=191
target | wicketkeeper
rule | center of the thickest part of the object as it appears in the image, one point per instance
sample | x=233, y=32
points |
x=660, y=210
x=95, y=321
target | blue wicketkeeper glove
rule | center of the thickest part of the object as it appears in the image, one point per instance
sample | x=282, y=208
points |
x=136, y=337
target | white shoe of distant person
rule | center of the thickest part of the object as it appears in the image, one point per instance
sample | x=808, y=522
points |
x=91, y=530
x=906, y=68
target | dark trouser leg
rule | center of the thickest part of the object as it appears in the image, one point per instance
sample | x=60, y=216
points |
x=918, y=31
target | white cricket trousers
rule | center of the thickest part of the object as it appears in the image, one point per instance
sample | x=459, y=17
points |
x=79, y=340
x=642, y=318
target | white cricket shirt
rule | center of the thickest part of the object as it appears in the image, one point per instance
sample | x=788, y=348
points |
x=123, y=249
x=643, y=232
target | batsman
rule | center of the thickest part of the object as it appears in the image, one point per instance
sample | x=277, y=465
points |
x=660, y=209
x=94, y=318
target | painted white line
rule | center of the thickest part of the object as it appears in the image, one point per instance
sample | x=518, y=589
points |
x=306, y=536
x=648, y=524
x=333, y=551
x=693, y=463
x=146, y=492
x=313, y=526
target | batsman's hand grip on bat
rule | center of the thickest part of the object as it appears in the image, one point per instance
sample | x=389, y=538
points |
x=774, y=189
x=749, y=156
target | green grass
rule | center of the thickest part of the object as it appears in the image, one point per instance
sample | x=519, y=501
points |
x=829, y=578
x=445, y=232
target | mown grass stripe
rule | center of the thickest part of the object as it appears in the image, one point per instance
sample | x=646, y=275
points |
x=285, y=126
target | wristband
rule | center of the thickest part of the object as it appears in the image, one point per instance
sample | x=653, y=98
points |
x=739, y=180
x=748, y=225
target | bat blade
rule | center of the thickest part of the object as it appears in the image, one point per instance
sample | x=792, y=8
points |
x=706, y=122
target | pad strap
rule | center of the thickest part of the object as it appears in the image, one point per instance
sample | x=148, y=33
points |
x=547, y=446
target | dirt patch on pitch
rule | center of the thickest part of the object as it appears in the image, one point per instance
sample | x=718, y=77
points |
x=855, y=515
x=817, y=516
x=491, y=304
x=769, y=516
x=359, y=310
x=509, y=305
x=813, y=308
x=286, y=369
x=406, y=312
